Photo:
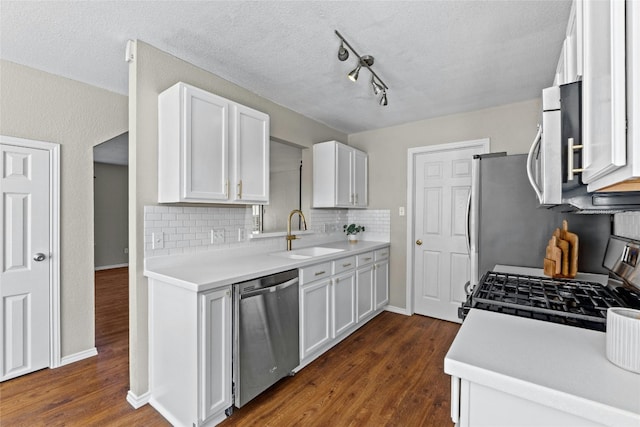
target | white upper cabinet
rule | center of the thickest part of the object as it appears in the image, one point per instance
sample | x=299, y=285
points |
x=570, y=63
x=340, y=175
x=251, y=155
x=604, y=90
x=211, y=149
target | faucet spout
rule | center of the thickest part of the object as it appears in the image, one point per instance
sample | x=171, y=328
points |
x=290, y=236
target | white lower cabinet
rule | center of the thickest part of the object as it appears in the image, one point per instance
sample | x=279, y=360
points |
x=190, y=351
x=315, y=316
x=477, y=405
x=381, y=276
x=365, y=286
x=343, y=297
x=216, y=351
x=338, y=297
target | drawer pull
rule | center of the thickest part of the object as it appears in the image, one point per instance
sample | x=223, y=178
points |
x=320, y=273
x=346, y=265
x=367, y=259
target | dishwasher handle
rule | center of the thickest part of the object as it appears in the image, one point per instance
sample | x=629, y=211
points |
x=269, y=289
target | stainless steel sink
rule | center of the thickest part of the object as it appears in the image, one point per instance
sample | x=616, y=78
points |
x=305, y=253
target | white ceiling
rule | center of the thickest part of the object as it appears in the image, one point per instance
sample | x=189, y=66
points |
x=437, y=57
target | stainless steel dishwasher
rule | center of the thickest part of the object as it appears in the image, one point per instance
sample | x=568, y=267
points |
x=266, y=333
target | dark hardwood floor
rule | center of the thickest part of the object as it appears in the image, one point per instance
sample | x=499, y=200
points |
x=388, y=373
x=91, y=392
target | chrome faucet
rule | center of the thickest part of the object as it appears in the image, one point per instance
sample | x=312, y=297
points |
x=290, y=236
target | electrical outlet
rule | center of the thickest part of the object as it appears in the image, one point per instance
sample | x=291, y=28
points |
x=157, y=240
x=401, y=211
x=217, y=236
x=242, y=235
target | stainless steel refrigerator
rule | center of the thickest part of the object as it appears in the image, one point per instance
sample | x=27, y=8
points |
x=507, y=226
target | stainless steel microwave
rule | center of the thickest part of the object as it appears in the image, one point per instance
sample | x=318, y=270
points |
x=554, y=162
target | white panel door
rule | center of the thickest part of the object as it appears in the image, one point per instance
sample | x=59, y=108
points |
x=25, y=258
x=442, y=182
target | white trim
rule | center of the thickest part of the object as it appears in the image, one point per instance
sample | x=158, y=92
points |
x=109, y=267
x=398, y=310
x=138, y=401
x=54, y=240
x=76, y=357
x=483, y=143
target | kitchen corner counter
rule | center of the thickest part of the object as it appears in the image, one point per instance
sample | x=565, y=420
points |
x=558, y=366
x=202, y=271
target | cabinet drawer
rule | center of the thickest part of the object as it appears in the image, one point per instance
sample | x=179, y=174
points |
x=344, y=264
x=381, y=254
x=364, y=259
x=315, y=272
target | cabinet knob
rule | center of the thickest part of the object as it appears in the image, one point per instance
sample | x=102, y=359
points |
x=419, y=242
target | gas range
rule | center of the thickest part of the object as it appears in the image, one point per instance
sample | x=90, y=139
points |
x=571, y=302
x=565, y=301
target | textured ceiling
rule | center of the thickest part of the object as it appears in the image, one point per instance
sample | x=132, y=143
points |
x=437, y=57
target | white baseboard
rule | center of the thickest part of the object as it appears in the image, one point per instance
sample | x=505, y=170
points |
x=109, y=267
x=398, y=310
x=138, y=401
x=78, y=356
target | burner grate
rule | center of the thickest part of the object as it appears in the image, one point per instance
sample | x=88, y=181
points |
x=533, y=296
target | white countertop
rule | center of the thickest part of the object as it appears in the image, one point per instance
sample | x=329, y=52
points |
x=201, y=271
x=559, y=366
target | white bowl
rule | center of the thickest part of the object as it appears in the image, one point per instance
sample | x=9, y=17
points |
x=623, y=338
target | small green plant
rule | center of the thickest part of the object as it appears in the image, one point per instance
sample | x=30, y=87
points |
x=352, y=229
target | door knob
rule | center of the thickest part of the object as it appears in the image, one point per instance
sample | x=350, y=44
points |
x=39, y=257
x=418, y=242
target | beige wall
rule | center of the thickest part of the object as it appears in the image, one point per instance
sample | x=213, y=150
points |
x=511, y=128
x=110, y=207
x=151, y=72
x=41, y=106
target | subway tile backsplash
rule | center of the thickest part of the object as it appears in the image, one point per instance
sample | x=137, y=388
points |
x=193, y=229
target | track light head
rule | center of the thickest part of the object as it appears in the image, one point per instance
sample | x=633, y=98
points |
x=383, y=100
x=343, y=53
x=377, y=87
x=353, y=75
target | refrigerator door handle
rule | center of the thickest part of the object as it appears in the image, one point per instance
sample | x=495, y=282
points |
x=468, y=229
x=532, y=150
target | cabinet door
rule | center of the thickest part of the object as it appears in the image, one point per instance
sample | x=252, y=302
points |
x=360, y=163
x=250, y=155
x=364, y=292
x=344, y=187
x=205, y=148
x=216, y=349
x=343, y=297
x=603, y=88
x=315, y=317
x=382, y=284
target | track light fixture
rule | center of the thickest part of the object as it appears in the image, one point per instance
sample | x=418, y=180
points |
x=365, y=61
x=343, y=53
